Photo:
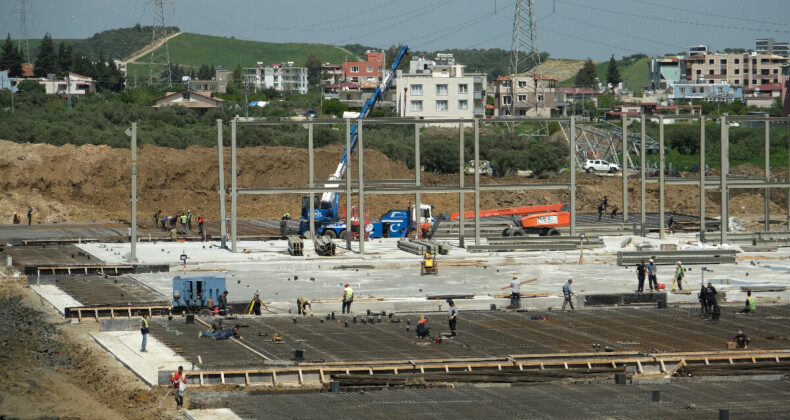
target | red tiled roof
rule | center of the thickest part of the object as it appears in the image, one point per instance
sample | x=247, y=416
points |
x=27, y=70
x=576, y=91
x=766, y=87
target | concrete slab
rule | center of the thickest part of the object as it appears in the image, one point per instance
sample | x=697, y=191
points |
x=212, y=414
x=125, y=346
x=59, y=299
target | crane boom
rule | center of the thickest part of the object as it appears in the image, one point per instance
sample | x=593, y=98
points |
x=329, y=199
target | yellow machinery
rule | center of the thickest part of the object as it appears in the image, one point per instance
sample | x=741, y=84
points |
x=429, y=265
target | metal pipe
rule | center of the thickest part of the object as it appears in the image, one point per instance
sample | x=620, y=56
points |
x=221, y=161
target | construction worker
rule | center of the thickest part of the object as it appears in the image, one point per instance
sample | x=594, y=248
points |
x=29, y=215
x=201, y=220
x=144, y=330
x=189, y=220
x=302, y=303
x=452, y=317
x=179, y=381
x=751, y=306
x=641, y=270
x=16, y=218
x=156, y=218
x=605, y=202
x=710, y=297
x=184, y=223
x=425, y=230
x=221, y=334
x=223, y=303
x=348, y=297
x=568, y=294
x=515, y=293
x=652, y=280
x=741, y=339
x=614, y=211
x=422, y=328
x=600, y=211
x=679, y=274
x=256, y=304
x=671, y=223
x=216, y=324
x=703, y=301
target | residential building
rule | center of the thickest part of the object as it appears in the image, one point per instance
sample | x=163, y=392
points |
x=573, y=94
x=7, y=82
x=719, y=92
x=747, y=70
x=333, y=90
x=770, y=46
x=439, y=89
x=283, y=77
x=698, y=50
x=533, y=96
x=331, y=74
x=218, y=84
x=193, y=100
x=763, y=96
x=371, y=69
x=73, y=84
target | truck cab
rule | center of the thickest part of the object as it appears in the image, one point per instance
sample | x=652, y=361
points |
x=197, y=291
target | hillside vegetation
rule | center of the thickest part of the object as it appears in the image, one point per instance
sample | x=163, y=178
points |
x=634, y=73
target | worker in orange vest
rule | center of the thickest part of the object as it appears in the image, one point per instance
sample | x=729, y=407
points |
x=179, y=381
x=425, y=229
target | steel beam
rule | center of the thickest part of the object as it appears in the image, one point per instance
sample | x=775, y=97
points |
x=417, y=170
x=625, y=168
x=477, y=181
x=642, y=172
x=461, y=180
x=221, y=160
x=661, y=185
x=348, y=183
x=572, y=166
x=725, y=168
x=767, y=175
x=361, y=175
x=702, y=174
x=234, y=193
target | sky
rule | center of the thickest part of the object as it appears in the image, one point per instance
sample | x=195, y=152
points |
x=575, y=29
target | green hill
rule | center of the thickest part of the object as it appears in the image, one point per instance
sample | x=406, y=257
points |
x=193, y=50
x=633, y=72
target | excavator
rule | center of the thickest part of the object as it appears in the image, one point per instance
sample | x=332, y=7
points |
x=526, y=220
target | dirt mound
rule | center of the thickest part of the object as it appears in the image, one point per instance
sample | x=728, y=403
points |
x=91, y=183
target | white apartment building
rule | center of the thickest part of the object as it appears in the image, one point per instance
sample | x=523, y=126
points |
x=280, y=76
x=440, y=89
x=73, y=84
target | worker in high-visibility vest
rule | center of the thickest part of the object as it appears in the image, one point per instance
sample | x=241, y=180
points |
x=348, y=297
x=179, y=381
x=751, y=305
x=144, y=330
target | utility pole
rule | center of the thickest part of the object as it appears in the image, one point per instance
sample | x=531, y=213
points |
x=246, y=102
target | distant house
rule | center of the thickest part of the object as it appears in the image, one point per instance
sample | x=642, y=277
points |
x=73, y=84
x=27, y=70
x=7, y=82
x=371, y=69
x=282, y=77
x=530, y=96
x=763, y=96
x=219, y=84
x=333, y=90
x=192, y=100
x=331, y=73
x=720, y=92
x=573, y=94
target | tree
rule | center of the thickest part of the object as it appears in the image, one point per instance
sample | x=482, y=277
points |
x=334, y=107
x=28, y=86
x=205, y=72
x=64, y=58
x=237, y=77
x=313, y=65
x=776, y=108
x=46, y=62
x=586, y=75
x=612, y=74
x=10, y=59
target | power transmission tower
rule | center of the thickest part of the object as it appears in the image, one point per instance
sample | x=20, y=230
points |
x=24, y=7
x=159, y=54
x=525, y=55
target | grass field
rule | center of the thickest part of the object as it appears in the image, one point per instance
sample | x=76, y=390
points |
x=192, y=50
x=635, y=75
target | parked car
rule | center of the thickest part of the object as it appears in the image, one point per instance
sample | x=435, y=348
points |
x=311, y=113
x=592, y=165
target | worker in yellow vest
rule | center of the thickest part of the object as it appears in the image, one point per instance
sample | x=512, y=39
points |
x=348, y=297
x=144, y=330
x=751, y=305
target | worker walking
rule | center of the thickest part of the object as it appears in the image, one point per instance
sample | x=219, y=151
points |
x=223, y=303
x=703, y=301
x=671, y=223
x=302, y=303
x=184, y=224
x=679, y=274
x=710, y=297
x=422, y=327
x=144, y=330
x=741, y=339
x=256, y=304
x=452, y=318
x=751, y=306
x=348, y=297
x=29, y=216
x=652, y=280
x=515, y=293
x=641, y=270
x=600, y=211
x=179, y=381
x=568, y=294
x=201, y=220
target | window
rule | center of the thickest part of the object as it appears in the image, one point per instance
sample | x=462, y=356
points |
x=522, y=98
x=522, y=112
x=723, y=61
x=737, y=61
x=540, y=97
x=682, y=91
x=737, y=71
x=354, y=69
x=737, y=82
x=463, y=88
x=416, y=105
x=522, y=83
x=463, y=104
x=185, y=96
x=754, y=81
x=710, y=61
x=710, y=71
x=370, y=69
x=416, y=90
x=441, y=105
x=506, y=83
x=776, y=71
x=699, y=71
x=441, y=90
x=507, y=100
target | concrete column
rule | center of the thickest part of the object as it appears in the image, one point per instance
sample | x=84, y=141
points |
x=661, y=185
x=788, y=178
x=767, y=175
x=642, y=183
x=572, y=167
x=725, y=168
x=702, y=189
x=133, y=234
x=361, y=176
x=221, y=160
x=477, y=182
x=348, y=184
x=311, y=178
x=461, y=180
x=233, y=192
x=417, y=171
x=625, y=168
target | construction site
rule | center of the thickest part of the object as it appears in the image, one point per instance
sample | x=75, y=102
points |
x=74, y=290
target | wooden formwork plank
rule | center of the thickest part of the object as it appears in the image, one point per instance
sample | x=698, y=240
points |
x=246, y=378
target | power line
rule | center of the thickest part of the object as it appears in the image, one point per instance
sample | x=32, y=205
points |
x=367, y=34
x=664, y=6
x=592, y=42
x=630, y=35
x=682, y=22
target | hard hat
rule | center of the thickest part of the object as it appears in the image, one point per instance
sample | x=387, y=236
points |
x=678, y=262
x=421, y=317
x=312, y=314
x=651, y=260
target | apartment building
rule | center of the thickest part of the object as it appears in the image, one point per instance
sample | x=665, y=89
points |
x=747, y=70
x=439, y=89
x=283, y=77
x=531, y=96
x=372, y=69
x=770, y=46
